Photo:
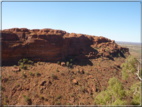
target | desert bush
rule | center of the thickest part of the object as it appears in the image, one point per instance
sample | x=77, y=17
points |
x=56, y=69
x=20, y=61
x=37, y=73
x=22, y=66
x=59, y=96
x=30, y=62
x=130, y=65
x=58, y=62
x=135, y=89
x=119, y=54
x=14, y=66
x=58, y=103
x=67, y=63
x=25, y=60
x=30, y=73
x=112, y=95
x=119, y=102
x=70, y=64
x=124, y=75
x=87, y=72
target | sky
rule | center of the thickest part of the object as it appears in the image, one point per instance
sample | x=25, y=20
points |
x=119, y=21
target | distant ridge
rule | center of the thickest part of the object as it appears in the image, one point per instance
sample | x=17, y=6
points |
x=133, y=43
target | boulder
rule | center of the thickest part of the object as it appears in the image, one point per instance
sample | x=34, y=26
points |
x=63, y=64
x=74, y=81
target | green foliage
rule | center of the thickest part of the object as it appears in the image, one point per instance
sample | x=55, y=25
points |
x=135, y=89
x=113, y=94
x=58, y=62
x=119, y=54
x=59, y=96
x=14, y=66
x=87, y=72
x=21, y=62
x=120, y=102
x=129, y=66
x=26, y=98
x=30, y=62
x=25, y=60
x=56, y=69
x=52, y=74
x=30, y=73
x=36, y=73
x=116, y=95
x=70, y=64
x=22, y=66
x=67, y=63
x=124, y=75
x=58, y=103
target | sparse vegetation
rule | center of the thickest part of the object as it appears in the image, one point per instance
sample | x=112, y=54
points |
x=59, y=96
x=30, y=62
x=37, y=73
x=56, y=69
x=94, y=87
x=30, y=73
x=129, y=66
x=58, y=103
x=22, y=66
x=67, y=63
x=58, y=62
x=113, y=94
x=87, y=72
x=23, y=74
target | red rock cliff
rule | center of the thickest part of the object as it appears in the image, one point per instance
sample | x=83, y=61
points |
x=53, y=45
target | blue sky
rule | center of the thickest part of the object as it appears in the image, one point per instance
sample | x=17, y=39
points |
x=118, y=21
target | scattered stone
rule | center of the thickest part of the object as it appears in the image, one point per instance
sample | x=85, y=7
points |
x=90, y=76
x=42, y=83
x=89, y=91
x=15, y=69
x=74, y=81
x=63, y=64
x=116, y=64
x=71, y=100
x=81, y=71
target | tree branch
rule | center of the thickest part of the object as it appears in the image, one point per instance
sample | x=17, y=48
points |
x=138, y=74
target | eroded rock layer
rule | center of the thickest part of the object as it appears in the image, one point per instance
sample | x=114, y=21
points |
x=54, y=45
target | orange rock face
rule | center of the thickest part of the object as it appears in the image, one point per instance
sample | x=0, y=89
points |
x=49, y=45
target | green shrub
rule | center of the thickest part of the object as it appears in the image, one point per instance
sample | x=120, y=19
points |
x=30, y=62
x=25, y=60
x=56, y=69
x=119, y=54
x=22, y=66
x=120, y=102
x=130, y=65
x=37, y=73
x=58, y=103
x=135, y=90
x=59, y=96
x=114, y=90
x=58, y=62
x=30, y=73
x=87, y=72
x=20, y=61
x=67, y=63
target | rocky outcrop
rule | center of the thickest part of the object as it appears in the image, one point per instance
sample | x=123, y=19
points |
x=53, y=45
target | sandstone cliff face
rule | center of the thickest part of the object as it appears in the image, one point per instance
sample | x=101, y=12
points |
x=54, y=45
